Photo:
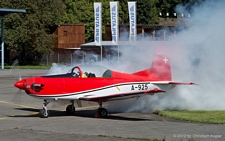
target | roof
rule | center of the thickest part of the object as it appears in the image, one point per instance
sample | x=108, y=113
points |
x=72, y=48
x=70, y=24
x=5, y=11
x=109, y=44
x=105, y=43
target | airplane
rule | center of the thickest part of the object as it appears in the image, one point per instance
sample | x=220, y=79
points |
x=99, y=84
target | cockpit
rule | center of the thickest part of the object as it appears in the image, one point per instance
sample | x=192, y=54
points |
x=90, y=71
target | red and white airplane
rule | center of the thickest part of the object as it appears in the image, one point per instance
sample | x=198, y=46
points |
x=100, y=85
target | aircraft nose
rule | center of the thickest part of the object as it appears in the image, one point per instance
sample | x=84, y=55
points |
x=20, y=84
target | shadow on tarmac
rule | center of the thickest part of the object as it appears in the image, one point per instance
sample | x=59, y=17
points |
x=80, y=113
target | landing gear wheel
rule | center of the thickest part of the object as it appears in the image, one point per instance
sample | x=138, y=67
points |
x=70, y=109
x=44, y=113
x=102, y=112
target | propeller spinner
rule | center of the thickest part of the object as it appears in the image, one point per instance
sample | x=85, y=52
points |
x=21, y=84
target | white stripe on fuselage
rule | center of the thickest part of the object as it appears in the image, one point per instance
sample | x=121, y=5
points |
x=117, y=89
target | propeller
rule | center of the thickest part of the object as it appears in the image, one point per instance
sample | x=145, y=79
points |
x=15, y=73
x=17, y=98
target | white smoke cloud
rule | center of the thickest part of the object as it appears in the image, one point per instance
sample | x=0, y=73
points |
x=196, y=54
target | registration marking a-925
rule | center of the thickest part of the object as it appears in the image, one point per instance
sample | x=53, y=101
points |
x=141, y=86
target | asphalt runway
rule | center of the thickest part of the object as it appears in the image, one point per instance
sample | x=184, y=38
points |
x=19, y=120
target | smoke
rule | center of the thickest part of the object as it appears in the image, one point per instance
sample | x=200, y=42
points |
x=196, y=54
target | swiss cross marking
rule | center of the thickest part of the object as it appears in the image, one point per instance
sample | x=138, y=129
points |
x=165, y=60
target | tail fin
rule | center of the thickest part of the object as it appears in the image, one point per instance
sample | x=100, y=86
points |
x=160, y=69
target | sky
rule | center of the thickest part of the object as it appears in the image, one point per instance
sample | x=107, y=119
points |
x=196, y=54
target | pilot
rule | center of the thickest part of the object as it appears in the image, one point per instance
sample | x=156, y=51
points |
x=91, y=75
x=85, y=75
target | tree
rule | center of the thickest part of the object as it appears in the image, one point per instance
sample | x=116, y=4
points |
x=78, y=12
x=29, y=33
x=168, y=6
x=147, y=12
x=123, y=12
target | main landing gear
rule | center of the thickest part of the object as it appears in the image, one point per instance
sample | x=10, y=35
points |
x=102, y=112
x=70, y=109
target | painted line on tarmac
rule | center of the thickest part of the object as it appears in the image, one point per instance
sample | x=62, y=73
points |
x=19, y=105
x=4, y=118
x=24, y=106
x=34, y=113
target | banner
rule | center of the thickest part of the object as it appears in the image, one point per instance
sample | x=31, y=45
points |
x=114, y=22
x=98, y=23
x=132, y=18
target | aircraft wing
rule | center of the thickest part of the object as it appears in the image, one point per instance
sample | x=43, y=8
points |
x=162, y=88
x=119, y=96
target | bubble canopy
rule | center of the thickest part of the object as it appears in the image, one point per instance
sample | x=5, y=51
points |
x=98, y=71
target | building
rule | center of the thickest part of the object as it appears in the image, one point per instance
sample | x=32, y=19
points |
x=69, y=38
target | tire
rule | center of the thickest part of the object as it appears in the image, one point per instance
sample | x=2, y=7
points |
x=102, y=112
x=70, y=109
x=43, y=114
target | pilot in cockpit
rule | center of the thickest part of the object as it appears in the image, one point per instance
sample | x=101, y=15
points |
x=91, y=75
x=85, y=75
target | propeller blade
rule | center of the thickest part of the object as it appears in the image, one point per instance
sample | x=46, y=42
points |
x=17, y=98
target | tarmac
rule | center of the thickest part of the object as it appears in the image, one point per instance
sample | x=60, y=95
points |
x=19, y=120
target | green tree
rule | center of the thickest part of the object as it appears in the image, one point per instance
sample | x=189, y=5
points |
x=29, y=33
x=167, y=6
x=123, y=12
x=78, y=12
x=153, y=12
x=147, y=12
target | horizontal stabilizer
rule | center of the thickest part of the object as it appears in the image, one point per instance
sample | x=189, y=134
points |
x=172, y=82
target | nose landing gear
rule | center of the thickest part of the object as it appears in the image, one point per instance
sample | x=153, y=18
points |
x=44, y=112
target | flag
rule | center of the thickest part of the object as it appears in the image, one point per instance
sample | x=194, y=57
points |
x=114, y=22
x=98, y=23
x=132, y=18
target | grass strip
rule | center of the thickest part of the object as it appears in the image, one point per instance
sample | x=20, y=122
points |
x=28, y=67
x=203, y=116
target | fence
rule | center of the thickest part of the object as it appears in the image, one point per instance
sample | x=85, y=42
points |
x=75, y=58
